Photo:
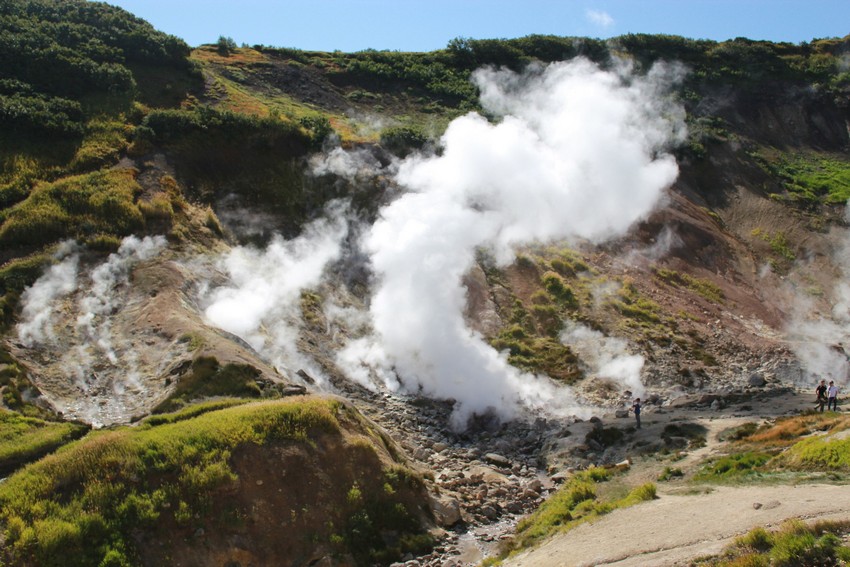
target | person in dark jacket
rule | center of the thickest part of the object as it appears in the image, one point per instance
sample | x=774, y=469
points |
x=820, y=391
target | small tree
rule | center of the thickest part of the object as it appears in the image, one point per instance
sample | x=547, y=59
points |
x=225, y=45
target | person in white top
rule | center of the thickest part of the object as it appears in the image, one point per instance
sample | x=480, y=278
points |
x=832, y=396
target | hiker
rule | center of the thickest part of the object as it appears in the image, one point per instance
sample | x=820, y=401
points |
x=832, y=396
x=636, y=409
x=821, y=393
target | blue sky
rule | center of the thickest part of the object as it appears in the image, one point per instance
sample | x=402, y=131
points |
x=417, y=25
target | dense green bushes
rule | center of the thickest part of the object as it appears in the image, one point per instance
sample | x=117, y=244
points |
x=55, y=55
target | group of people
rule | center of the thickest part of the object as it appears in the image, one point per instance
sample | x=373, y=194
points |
x=827, y=395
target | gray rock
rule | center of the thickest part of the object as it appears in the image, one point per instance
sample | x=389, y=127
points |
x=439, y=447
x=560, y=477
x=293, y=390
x=497, y=460
x=621, y=413
x=756, y=380
x=489, y=512
x=513, y=507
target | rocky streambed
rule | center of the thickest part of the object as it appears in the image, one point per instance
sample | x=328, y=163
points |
x=485, y=479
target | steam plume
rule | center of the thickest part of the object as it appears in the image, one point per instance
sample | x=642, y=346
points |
x=607, y=357
x=36, y=322
x=821, y=342
x=262, y=303
x=577, y=152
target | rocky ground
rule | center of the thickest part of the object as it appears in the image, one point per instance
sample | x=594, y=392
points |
x=488, y=477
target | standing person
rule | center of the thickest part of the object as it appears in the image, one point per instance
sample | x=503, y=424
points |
x=832, y=396
x=636, y=409
x=821, y=393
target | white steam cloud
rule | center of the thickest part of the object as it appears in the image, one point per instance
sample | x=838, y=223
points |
x=37, y=320
x=262, y=302
x=577, y=153
x=607, y=357
x=666, y=241
x=822, y=342
x=348, y=164
x=94, y=322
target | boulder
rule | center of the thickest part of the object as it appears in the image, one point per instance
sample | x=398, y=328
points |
x=497, y=460
x=446, y=510
x=293, y=390
x=756, y=380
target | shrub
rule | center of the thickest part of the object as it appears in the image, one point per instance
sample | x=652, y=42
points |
x=402, y=140
x=225, y=46
x=75, y=207
x=555, y=285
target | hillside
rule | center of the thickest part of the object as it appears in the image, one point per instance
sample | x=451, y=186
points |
x=479, y=248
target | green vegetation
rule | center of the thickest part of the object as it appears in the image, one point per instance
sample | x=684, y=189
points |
x=559, y=290
x=704, y=288
x=62, y=57
x=813, y=178
x=83, y=504
x=15, y=388
x=79, y=207
x=817, y=453
x=26, y=439
x=15, y=275
x=207, y=378
x=574, y=503
x=794, y=543
x=191, y=411
x=796, y=447
x=529, y=351
x=220, y=151
x=631, y=304
x=735, y=466
x=402, y=140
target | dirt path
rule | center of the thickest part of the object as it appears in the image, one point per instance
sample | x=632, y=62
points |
x=674, y=529
x=679, y=526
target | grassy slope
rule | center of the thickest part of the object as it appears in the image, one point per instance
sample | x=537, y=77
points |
x=85, y=504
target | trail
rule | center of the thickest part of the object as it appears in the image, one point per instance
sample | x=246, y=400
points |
x=676, y=528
